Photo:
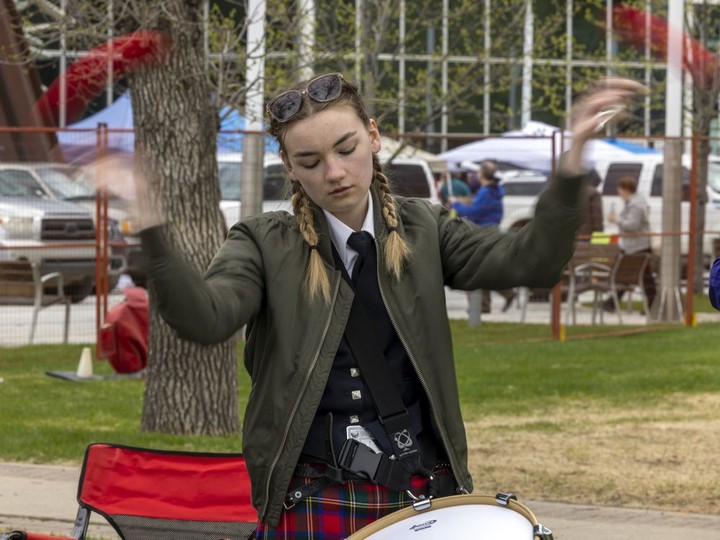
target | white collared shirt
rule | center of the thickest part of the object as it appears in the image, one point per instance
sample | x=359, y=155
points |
x=339, y=232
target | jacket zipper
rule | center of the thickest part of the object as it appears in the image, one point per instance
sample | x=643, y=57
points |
x=433, y=408
x=297, y=402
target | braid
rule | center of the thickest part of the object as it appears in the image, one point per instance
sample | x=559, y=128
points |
x=317, y=281
x=397, y=251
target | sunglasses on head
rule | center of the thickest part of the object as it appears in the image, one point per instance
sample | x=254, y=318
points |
x=321, y=89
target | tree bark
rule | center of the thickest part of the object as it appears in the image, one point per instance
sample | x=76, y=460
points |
x=191, y=389
x=705, y=109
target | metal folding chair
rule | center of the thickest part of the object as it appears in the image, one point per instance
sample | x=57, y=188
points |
x=626, y=276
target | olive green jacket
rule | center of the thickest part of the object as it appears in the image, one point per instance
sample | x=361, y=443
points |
x=258, y=278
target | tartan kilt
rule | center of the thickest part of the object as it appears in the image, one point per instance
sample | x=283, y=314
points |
x=338, y=510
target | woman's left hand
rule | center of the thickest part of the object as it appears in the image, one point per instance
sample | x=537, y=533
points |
x=604, y=104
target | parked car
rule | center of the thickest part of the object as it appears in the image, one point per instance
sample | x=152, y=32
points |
x=647, y=170
x=37, y=228
x=66, y=182
x=522, y=188
x=411, y=177
x=275, y=187
x=408, y=177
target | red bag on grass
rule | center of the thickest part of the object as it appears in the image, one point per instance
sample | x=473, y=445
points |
x=124, y=336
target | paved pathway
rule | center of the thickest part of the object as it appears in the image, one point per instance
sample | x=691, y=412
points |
x=15, y=320
x=43, y=499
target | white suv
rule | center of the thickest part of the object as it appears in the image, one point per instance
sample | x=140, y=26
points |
x=409, y=177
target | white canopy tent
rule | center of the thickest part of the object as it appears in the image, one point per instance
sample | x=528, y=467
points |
x=391, y=147
x=535, y=147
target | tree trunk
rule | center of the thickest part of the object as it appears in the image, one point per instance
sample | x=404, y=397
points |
x=191, y=389
x=704, y=110
x=703, y=151
x=706, y=89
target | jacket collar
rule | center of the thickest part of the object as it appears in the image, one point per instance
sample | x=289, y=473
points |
x=325, y=236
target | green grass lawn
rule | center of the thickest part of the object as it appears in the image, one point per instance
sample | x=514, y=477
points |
x=502, y=369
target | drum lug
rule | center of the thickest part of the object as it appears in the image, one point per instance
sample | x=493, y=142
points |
x=542, y=532
x=419, y=503
x=504, y=498
x=422, y=504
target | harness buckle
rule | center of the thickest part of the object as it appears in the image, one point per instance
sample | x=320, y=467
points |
x=359, y=458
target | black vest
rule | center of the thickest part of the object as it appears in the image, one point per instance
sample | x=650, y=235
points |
x=346, y=395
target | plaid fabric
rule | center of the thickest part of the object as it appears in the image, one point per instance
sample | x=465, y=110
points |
x=339, y=510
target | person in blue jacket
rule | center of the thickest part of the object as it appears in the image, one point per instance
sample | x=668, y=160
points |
x=486, y=209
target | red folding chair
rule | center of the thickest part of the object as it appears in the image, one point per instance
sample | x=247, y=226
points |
x=161, y=495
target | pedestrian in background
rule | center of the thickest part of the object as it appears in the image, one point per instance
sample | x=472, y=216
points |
x=633, y=222
x=450, y=185
x=486, y=209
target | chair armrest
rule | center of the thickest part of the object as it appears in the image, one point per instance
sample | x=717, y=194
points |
x=593, y=267
x=54, y=276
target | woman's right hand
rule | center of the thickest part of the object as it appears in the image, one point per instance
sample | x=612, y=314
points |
x=119, y=175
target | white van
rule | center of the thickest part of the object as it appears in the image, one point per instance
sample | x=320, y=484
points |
x=275, y=195
x=523, y=187
x=409, y=177
x=647, y=170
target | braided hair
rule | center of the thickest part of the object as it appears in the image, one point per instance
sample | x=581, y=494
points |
x=397, y=251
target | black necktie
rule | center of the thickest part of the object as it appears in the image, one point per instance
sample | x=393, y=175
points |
x=362, y=242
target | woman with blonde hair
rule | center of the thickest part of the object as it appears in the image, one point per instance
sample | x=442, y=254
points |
x=354, y=409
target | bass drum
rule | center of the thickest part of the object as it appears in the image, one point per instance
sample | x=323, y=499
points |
x=478, y=517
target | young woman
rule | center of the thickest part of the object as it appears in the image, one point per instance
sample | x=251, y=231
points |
x=332, y=354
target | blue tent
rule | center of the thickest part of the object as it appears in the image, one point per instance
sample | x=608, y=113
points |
x=632, y=147
x=119, y=119
x=231, y=122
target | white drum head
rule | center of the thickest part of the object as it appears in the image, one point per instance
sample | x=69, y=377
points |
x=477, y=517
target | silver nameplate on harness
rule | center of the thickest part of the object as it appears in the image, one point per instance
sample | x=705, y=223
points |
x=362, y=435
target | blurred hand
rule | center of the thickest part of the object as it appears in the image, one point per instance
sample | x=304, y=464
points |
x=612, y=218
x=118, y=175
x=604, y=104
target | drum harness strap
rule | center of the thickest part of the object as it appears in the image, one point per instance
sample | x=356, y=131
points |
x=359, y=460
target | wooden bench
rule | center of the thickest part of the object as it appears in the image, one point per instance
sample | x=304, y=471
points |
x=22, y=285
x=588, y=263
